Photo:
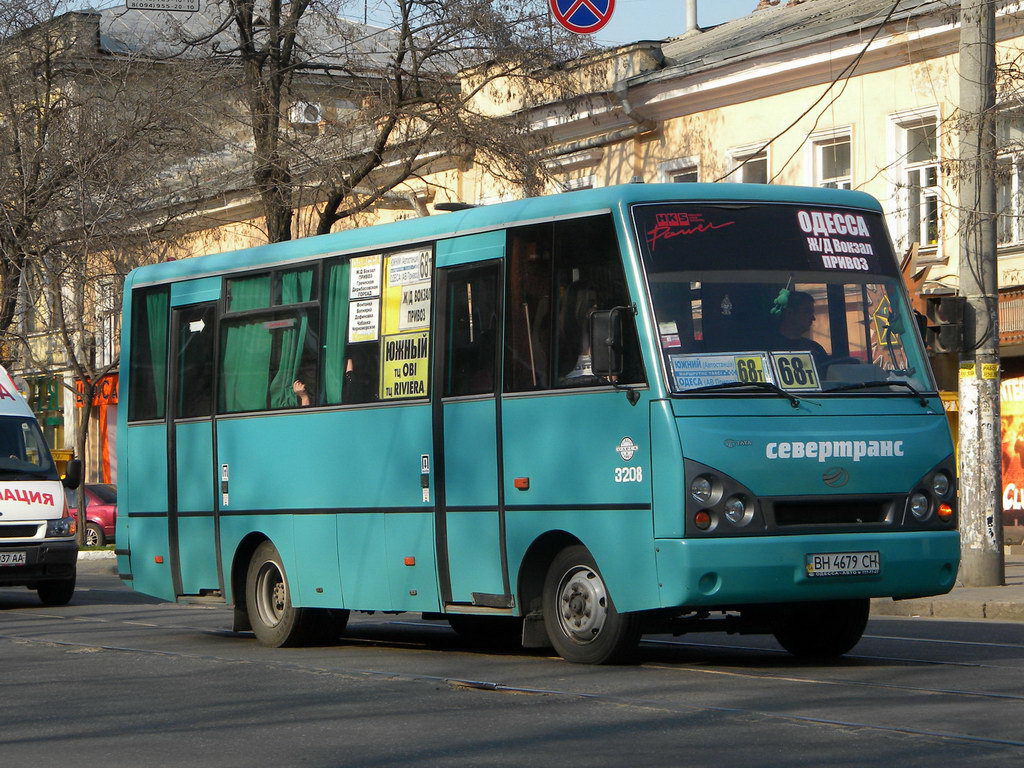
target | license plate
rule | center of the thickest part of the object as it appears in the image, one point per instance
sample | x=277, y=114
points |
x=843, y=564
x=12, y=558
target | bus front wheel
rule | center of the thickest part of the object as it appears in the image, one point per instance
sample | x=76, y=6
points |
x=274, y=620
x=824, y=630
x=579, y=614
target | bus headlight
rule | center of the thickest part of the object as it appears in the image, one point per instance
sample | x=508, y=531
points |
x=920, y=505
x=701, y=489
x=940, y=484
x=737, y=511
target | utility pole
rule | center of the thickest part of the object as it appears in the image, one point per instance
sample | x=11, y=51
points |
x=981, y=523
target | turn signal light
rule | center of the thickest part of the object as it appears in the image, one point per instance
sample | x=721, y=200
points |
x=945, y=512
x=702, y=519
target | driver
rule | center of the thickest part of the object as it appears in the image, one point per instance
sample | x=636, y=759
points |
x=795, y=322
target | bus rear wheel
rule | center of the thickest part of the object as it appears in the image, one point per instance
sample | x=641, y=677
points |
x=824, y=630
x=274, y=620
x=579, y=614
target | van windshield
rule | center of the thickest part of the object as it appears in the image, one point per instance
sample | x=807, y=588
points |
x=23, y=452
x=803, y=297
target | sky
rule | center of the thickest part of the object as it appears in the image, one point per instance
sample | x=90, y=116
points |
x=657, y=19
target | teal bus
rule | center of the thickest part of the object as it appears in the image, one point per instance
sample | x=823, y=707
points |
x=569, y=420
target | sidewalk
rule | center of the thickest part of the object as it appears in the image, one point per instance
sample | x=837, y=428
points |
x=998, y=603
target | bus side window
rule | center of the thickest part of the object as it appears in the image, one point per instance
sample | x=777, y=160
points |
x=528, y=309
x=269, y=359
x=149, y=344
x=472, y=332
x=589, y=277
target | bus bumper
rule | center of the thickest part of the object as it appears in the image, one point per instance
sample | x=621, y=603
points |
x=43, y=562
x=771, y=569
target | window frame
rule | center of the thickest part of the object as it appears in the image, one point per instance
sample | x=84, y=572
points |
x=900, y=125
x=676, y=166
x=552, y=388
x=226, y=319
x=1015, y=156
x=817, y=144
x=739, y=157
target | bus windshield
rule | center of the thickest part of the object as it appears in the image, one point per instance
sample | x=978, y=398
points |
x=802, y=297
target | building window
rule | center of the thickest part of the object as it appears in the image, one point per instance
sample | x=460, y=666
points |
x=832, y=164
x=920, y=182
x=1010, y=177
x=681, y=170
x=583, y=182
x=750, y=167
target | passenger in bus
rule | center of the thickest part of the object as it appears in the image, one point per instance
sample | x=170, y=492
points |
x=299, y=388
x=795, y=324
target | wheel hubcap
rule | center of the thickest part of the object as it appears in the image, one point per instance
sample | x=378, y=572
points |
x=91, y=539
x=582, y=604
x=271, y=594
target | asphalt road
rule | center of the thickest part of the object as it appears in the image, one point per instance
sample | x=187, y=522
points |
x=118, y=679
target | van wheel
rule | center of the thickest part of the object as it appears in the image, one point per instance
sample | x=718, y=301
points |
x=579, y=614
x=94, y=535
x=56, y=592
x=488, y=631
x=820, y=630
x=275, y=621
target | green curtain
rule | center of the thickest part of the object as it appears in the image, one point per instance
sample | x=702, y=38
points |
x=295, y=288
x=335, y=331
x=247, y=346
x=248, y=293
x=157, y=317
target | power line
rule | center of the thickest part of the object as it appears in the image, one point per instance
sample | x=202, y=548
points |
x=846, y=73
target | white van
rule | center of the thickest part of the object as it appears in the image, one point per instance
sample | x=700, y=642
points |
x=37, y=532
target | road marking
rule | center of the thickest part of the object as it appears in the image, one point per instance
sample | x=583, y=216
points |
x=646, y=704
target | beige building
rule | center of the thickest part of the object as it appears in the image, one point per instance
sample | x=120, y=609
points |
x=856, y=94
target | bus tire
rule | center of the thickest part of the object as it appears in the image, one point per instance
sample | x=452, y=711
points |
x=488, y=631
x=579, y=614
x=823, y=630
x=56, y=592
x=275, y=621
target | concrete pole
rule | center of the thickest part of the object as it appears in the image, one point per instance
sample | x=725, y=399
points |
x=981, y=525
x=691, y=16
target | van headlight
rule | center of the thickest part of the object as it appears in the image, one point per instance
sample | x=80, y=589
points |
x=61, y=528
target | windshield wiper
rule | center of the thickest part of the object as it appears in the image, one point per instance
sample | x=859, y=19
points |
x=762, y=385
x=868, y=384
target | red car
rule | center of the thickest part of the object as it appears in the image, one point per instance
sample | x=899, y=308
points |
x=100, y=511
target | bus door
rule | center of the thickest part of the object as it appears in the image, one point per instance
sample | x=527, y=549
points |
x=191, y=503
x=467, y=441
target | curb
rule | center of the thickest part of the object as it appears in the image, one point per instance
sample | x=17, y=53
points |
x=949, y=607
x=107, y=554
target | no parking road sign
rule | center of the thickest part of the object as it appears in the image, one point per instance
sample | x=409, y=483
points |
x=583, y=17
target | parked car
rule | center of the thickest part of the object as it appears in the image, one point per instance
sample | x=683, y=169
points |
x=100, y=511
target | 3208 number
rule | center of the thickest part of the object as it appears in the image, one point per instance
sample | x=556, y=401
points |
x=629, y=474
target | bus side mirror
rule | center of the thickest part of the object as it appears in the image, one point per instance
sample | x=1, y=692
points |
x=73, y=474
x=606, y=342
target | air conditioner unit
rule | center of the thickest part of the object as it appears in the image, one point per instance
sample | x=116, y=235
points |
x=306, y=113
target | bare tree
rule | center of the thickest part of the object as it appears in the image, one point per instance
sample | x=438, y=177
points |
x=342, y=115
x=97, y=151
